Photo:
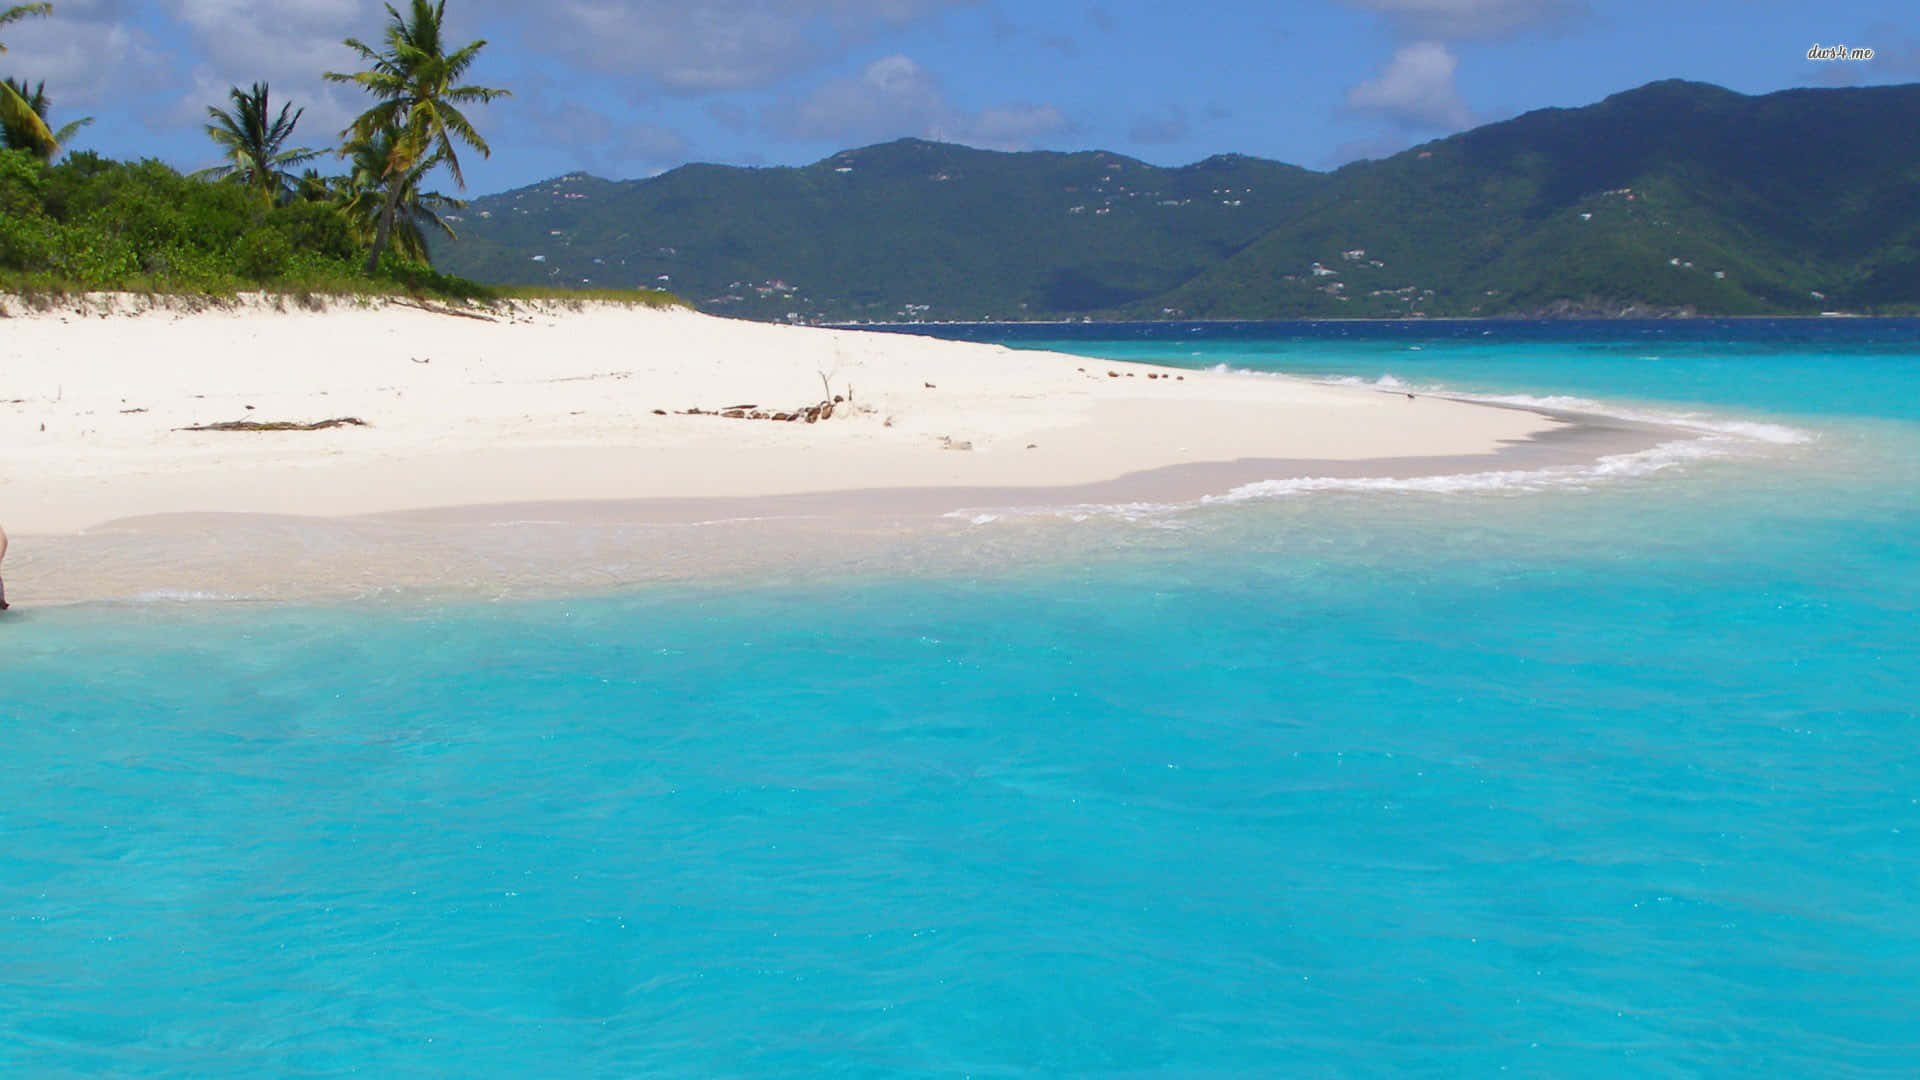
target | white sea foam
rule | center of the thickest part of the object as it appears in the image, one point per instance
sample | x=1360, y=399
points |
x=1752, y=430
x=1615, y=467
x=180, y=596
x=1712, y=438
x=1155, y=515
x=1612, y=469
x=1381, y=382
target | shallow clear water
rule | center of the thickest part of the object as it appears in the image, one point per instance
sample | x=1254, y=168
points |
x=1617, y=777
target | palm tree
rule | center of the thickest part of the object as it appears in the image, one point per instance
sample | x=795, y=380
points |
x=414, y=82
x=15, y=135
x=254, y=142
x=14, y=108
x=312, y=187
x=415, y=212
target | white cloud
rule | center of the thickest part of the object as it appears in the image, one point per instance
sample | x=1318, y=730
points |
x=1416, y=89
x=287, y=44
x=86, y=53
x=1453, y=20
x=716, y=45
x=894, y=96
x=166, y=61
x=897, y=97
x=245, y=40
x=99, y=52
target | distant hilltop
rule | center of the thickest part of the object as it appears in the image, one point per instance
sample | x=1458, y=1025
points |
x=1676, y=198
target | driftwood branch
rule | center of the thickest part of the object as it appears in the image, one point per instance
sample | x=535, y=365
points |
x=811, y=414
x=278, y=425
x=442, y=309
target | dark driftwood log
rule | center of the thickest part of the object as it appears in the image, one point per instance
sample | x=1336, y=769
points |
x=278, y=425
x=812, y=414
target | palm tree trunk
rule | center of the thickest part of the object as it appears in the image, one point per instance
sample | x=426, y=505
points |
x=385, y=229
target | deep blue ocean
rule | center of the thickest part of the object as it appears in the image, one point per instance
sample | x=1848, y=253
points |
x=1613, y=772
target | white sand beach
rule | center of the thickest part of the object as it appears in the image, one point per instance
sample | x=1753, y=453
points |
x=554, y=403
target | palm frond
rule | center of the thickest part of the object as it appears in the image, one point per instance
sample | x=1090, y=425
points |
x=413, y=125
x=71, y=128
x=22, y=11
x=23, y=120
x=253, y=140
x=25, y=127
x=387, y=165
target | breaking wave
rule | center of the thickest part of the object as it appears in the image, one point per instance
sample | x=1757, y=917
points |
x=1753, y=430
x=180, y=596
x=1704, y=437
x=1153, y=515
x=1641, y=463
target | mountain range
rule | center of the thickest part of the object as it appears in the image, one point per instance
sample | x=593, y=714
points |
x=1675, y=198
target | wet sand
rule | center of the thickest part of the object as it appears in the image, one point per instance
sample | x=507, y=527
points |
x=532, y=549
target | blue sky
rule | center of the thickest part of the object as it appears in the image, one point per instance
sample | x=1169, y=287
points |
x=631, y=87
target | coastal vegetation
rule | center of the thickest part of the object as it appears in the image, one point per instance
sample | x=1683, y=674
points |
x=27, y=131
x=255, y=147
x=416, y=120
x=75, y=221
x=1674, y=198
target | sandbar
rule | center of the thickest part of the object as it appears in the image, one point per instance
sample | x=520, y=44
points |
x=605, y=413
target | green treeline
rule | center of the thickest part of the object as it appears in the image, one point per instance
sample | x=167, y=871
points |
x=265, y=217
x=88, y=223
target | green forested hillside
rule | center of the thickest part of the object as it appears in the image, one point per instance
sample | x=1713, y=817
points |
x=1676, y=197
x=876, y=233
x=1672, y=196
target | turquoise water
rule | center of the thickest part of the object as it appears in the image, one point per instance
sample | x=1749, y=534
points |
x=1616, y=776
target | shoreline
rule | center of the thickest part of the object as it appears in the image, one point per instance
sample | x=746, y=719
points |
x=1582, y=439
x=1821, y=317
x=545, y=549
x=469, y=446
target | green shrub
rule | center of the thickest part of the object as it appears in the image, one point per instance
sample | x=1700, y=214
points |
x=24, y=240
x=262, y=254
x=319, y=229
x=20, y=184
